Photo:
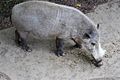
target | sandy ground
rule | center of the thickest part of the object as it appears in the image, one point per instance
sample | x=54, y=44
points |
x=42, y=64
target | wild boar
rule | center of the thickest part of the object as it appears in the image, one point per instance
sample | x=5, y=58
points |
x=49, y=20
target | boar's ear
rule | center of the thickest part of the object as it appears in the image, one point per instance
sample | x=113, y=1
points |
x=98, y=26
x=86, y=35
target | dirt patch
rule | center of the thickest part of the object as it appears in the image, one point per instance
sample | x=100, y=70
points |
x=3, y=76
x=110, y=78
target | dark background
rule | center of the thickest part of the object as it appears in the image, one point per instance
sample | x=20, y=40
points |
x=85, y=6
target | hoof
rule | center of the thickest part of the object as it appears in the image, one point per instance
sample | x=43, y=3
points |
x=97, y=63
x=27, y=49
x=59, y=53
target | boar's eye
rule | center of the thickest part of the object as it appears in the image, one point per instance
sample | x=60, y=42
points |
x=86, y=35
x=98, y=26
x=93, y=44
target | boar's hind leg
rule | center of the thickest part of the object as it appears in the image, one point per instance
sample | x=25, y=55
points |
x=20, y=41
x=59, y=46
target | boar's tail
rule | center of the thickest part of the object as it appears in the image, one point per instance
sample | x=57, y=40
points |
x=10, y=18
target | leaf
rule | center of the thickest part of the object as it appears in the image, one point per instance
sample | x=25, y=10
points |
x=78, y=5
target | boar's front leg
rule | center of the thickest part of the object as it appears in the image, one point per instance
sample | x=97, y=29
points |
x=59, y=47
x=21, y=41
x=77, y=45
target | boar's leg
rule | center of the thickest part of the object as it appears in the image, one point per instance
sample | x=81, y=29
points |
x=59, y=46
x=77, y=45
x=20, y=41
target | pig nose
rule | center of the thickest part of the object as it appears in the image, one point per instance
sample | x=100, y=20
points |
x=93, y=43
